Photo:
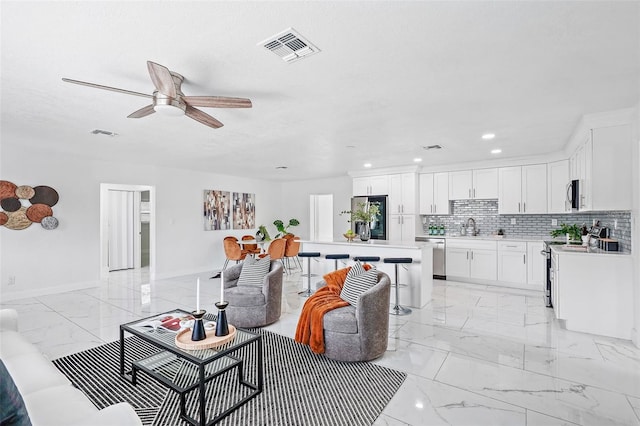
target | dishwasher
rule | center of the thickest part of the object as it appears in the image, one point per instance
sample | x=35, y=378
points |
x=439, y=258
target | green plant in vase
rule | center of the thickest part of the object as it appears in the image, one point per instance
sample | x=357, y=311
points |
x=282, y=229
x=574, y=232
x=366, y=213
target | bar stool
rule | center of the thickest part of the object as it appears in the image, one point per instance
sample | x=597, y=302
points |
x=308, y=255
x=369, y=259
x=397, y=261
x=336, y=257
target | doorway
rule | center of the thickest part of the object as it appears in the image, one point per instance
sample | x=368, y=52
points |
x=127, y=228
x=321, y=217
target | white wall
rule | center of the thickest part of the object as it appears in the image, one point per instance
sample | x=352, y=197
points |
x=69, y=257
x=299, y=192
x=635, y=225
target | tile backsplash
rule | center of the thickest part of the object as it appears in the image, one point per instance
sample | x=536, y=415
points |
x=485, y=213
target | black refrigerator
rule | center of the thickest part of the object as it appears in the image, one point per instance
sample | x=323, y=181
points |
x=379, y=228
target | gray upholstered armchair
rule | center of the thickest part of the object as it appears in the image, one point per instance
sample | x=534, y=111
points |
x=359, y=333
x=251, y=305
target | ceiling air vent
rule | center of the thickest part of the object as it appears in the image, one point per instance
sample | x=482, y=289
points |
x=103, y=132
x=432, y=147
x=289, y=45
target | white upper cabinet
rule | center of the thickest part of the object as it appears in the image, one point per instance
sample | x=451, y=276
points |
x=403, y=193
x=460, y=185
x=473, y=184
x=557, y=187
x=485, y=184
x=606, y=169
x=522, y=189
x=371, y=185
x=434, y=193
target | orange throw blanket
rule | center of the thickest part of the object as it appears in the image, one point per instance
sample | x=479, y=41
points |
x=310, y=327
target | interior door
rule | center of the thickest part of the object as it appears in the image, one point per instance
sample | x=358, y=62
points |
x=121, y=230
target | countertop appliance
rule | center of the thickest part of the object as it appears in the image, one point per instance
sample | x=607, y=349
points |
x=379, y=228
x=439, y=255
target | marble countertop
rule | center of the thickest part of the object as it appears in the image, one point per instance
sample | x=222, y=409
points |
x=375, y=243
x=589, y=251
x=491, y=237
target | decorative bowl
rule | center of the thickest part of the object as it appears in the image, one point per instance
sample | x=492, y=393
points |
x=350, y=237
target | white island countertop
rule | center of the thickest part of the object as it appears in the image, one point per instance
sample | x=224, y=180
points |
x=375, y=243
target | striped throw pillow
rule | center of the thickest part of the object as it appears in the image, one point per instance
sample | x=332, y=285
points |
x=254, y=270
x=357, y=282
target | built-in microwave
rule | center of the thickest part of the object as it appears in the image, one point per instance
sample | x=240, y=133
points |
x=573, y=195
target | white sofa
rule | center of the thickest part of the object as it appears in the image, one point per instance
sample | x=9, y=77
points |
x=49, y=397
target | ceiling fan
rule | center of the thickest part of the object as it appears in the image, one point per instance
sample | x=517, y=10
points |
x=169, y=99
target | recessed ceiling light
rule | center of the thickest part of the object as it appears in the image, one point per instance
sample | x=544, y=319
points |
x=488, y=136
x=417, y=160
x=496, y=151
x=367, y=165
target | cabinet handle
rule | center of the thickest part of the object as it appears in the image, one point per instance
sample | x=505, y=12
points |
x=474, y=193
x=471, y=255
x=469, y=192
x=518, y=207
x=511, y=246
x=431, y=208
x=524, y=207
x=524, y=259
x=435, y=208
x=467, y=254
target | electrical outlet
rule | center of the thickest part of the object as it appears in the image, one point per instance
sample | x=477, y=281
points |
x=554, y=222
x=11, y=280
x=513, y=221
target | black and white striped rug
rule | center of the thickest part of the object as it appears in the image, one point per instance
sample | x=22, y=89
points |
x=300, y=387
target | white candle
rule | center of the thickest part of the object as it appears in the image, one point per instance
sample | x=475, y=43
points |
x=198, y=296
x=221, y=286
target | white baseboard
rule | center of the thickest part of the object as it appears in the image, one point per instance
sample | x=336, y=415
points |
x=43, y=291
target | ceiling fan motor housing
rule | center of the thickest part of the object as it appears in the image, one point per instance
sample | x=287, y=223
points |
x=162, y=102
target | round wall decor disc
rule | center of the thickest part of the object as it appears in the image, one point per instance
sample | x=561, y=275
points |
x=3, y=218
x=44, y=195
x=10, y=204
x=7, y=189
x=18, y=220
x=49, y=222
x=37, y=212
x=25, y=192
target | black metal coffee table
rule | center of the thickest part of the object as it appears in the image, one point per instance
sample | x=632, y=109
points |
x=184, y=371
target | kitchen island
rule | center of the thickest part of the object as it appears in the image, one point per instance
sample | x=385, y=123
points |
x=418, y=275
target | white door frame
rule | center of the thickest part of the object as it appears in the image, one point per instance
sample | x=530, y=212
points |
x=104, y=224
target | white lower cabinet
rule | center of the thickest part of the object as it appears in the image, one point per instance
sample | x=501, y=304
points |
x=512, y=262
x=471, y=259
x=509, y=263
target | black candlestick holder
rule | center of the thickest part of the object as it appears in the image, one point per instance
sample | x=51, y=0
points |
x=197, y=332
x=222, y=327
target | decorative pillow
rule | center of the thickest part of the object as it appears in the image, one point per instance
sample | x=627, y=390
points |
x=254, y=270
x=12, y=409
x=357, y=282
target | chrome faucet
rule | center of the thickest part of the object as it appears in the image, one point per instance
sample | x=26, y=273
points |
x=471, y=226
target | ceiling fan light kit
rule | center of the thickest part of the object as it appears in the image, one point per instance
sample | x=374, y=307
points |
x=169, y=100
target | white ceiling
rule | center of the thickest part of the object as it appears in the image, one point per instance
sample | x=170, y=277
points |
x=392, y=77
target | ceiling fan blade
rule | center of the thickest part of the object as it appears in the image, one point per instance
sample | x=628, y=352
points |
x=113, y=89
x=202, y=117
x=142, y=112
x=162, y=79
x=217, y=102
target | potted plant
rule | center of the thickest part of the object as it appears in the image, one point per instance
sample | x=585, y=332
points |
x=365, y=214
x=572, y=232
x=282, y=229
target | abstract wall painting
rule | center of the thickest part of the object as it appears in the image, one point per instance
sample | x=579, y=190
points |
x=217, y=210
x=244, y=210
x=24, y=205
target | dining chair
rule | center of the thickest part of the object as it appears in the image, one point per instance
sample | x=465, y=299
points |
x=276, y=250
x=233, y=251
x=291, y=250
x=251, y=248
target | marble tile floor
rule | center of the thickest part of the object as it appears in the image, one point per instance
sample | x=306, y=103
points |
x=475, y=355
